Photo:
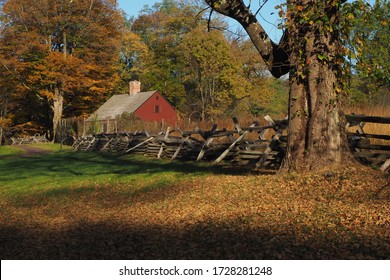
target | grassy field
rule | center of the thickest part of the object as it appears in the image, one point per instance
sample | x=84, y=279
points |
x=10, y=151
x=66, y=205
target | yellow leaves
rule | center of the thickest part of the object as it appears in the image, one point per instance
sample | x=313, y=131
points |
x=47, y=93
x=218, y=3
x=96, y=89
x=344, y=50
x=301, y=75
x=5, y=122
x=132, y=43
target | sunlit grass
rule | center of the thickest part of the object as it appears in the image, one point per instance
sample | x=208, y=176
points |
x=10, y=150
x=51, y=147
x=48, y=173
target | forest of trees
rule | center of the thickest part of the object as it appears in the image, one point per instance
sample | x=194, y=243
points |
x=62, y=59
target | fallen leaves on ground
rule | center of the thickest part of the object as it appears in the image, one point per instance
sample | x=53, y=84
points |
x=312, y=216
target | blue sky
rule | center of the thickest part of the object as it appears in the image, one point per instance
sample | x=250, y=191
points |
x=133, y=7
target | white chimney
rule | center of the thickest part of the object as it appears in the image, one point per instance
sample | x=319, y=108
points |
x=135, y=87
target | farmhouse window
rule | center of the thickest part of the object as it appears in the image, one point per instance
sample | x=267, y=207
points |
x=157, y=109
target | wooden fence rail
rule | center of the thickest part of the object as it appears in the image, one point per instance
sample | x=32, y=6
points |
x=37, y=138
x=235, y=146
x=361, y=143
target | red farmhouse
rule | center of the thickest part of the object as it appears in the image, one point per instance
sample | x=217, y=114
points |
x=148, y=106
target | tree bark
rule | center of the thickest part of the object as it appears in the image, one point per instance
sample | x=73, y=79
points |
x=1, y=135
x=65, y=42
x=317, y=138
x=57, y=107
x=58, y=98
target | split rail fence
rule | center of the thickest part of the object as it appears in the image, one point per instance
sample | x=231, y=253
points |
x=261, y=146
x=361, y=143
x=37, y=138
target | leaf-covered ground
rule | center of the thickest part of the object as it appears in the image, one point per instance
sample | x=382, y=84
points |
x=203, y=216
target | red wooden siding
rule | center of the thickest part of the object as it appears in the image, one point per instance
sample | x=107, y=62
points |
x=157, y=108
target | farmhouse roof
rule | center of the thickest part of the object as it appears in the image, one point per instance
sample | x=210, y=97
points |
x=119, y=104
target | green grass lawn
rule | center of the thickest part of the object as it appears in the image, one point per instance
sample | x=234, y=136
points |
x=63, y=171
x=66, y=205
x=10, y=151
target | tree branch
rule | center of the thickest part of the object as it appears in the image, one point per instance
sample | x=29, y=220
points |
x=274, y=55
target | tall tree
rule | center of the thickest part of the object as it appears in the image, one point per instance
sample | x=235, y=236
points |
x=214, y=73
x=161, y=28
x=5, y=104
x=199, y=72
x=62, y=51
x=311, y=52
x=368, y=44
x=134, y=57
x=260, y=93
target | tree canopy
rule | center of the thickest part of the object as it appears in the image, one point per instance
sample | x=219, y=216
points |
x=60, y=53
x=367, y=41
x=202, y=73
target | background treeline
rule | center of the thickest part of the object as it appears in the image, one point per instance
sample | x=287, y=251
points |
x=63, y=59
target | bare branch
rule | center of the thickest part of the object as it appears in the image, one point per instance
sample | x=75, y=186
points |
x=199, y=14
x=261, y=6
x=209, y=20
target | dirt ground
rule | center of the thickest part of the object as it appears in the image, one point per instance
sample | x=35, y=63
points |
x=32, y=150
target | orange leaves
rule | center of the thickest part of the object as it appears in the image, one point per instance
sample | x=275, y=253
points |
x=73, y=49
x=46, y=93
x=97, y=89
x=4, y=122
x=112, y=212
x=281, y=12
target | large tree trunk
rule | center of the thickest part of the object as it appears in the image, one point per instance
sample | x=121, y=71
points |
x=310, y=52
x=58, y=99
x=317, y=137
x=57, y=107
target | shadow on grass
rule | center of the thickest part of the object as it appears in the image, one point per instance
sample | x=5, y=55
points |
x=201, y=241
x=94, y=164
x=66, y=175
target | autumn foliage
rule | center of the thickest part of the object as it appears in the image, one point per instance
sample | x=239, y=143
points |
x=61, y=59
x=60, y=56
